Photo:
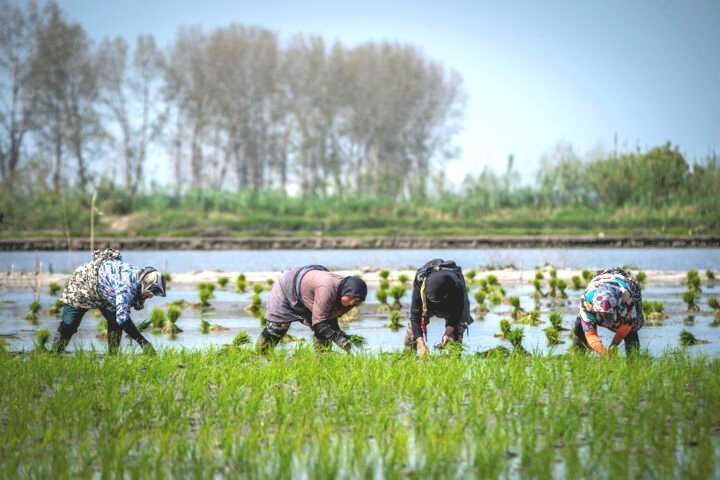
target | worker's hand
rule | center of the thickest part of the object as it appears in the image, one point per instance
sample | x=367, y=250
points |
x=422, y=347
x=445, y=340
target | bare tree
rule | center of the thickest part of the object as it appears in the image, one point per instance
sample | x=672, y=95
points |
x=19, y=85
x=131, y=94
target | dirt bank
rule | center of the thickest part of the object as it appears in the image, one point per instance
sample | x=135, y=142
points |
x=301, y=243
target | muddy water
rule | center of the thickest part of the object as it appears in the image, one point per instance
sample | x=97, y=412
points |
x=276, y=260
x=228, y=311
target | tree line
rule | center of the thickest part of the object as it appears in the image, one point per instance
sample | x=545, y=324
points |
x=231, y=108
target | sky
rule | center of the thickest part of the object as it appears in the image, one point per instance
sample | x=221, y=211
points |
x=535, y=73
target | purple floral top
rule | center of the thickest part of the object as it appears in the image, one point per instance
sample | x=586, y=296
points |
x=118, y=282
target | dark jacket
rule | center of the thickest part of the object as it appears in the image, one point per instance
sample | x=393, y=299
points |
x=455, y=308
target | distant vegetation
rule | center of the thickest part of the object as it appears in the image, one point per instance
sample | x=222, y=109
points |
x=240, y=117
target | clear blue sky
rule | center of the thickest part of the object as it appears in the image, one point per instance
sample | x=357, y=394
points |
x=535, y=72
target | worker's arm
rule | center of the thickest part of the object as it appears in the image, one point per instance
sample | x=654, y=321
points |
x=595, y=343
x=620, y=334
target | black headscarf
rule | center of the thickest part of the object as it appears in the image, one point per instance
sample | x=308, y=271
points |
x=440, y=286
x=353, y=287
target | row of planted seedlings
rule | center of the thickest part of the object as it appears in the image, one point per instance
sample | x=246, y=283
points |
x=194, y=413
x=386, y=291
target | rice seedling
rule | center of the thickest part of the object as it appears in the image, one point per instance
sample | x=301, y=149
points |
x=492, y=280
x=384, y=284
x=587, y=275
x=258, y=288
x=453, y=349
x=480, y=299
x=504, y=328
x=537, y=289
x=396, y=292
x=384, y=274
x=352, y=315
x=33, y=309
x=158, y=318
x=241, y=283
x=555, y=319
x=169, y=327
x=57, y=307
x=553, y=272
x=517, y=311
x=255, y=305
x=561, y=286
x=539, y=275
x=382, y=297
x=403, y=279
x=484, y=285
x=222, y=281
x=173, y=313
x=470, y=276
x=553, y=336
x=552, y=285
x=179, y=304
x=710, y=275
x=692, y=280
x=688, y=339
x=167, y=277
x=194, y=413
x=653, y=310
x=242, y=338
x=641, y=277
x=207, y=286
x=357, y=341
x=714, y=304
x=3, y=345
x=495, y=298
x=532, y=318
x=41, y=339
x=204, y=297
x=395, y=321
x=690, y=298
x=102, y=328
x=577, y=283
x=269, y=284
x=204, y=326
x=515, y=336
x=53, y=288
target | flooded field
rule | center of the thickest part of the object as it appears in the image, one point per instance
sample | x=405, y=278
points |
x=228, y=309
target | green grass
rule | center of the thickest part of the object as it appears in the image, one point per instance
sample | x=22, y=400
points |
x=200, y=414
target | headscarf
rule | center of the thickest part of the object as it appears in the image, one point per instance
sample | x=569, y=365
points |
x=353, y=287
x=605, y=299
x=150, y=281
x=439, y=286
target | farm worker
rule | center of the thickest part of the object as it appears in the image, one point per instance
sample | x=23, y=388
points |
x=317, y=298
x=612, y=300
x=438, y=290
x=112, y=286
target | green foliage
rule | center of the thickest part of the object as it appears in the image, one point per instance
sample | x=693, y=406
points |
x=33, y=309
x=57, y=307
x=204, y=297
x=381, y=296
x=53, y=288
x=384, y=284
x=553, y=273
x=687, y=338
x=690, y=298
x=515, y=336
x=553, y=336
x=173, y=314
x=222, y=281
x=555, y=319
x=241, y=283
x=242, y=338
x=167, y=277
x=403, y=279
x=357, y=341
x=577, y=283
x=710, y=275
x=204, y=326
x=641, y=277
x=714, y=303
x=470, y=274
x=492, y=280
x=41, y=339
x=587, y=275
x=504, y=328
x=258, y=288
x=384, y=274
x=397, y=292
x=395, y=321
x=158, y=318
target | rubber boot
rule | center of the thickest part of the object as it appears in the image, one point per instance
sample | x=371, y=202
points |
x=266, y=341
x=113, y=338
x=62, y=337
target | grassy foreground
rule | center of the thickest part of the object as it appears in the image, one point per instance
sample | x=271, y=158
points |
x=301, y=414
